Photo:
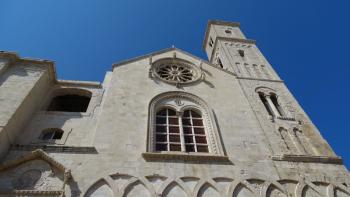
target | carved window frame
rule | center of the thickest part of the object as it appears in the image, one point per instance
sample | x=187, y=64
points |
x=281, y=111
x=61, y=141
x=181, y=101
x=176, y=62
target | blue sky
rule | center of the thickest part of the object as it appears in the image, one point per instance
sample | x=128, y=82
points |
x=306, y=42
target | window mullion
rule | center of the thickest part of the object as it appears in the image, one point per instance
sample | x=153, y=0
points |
x=182, y=136
x=193, y=134
x=167, y=130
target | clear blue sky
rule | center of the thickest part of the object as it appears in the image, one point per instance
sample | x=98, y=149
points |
x=306, y=42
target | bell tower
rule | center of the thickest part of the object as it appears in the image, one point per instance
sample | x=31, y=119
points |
x=290, y=133
x=227, y=47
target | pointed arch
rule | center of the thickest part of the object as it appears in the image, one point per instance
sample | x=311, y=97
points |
x=181, y=101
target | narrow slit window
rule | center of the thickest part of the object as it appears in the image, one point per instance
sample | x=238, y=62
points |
x=266, y=104
x=220, y=63
x=211, y=42
x=277, y=105
x=241, y=52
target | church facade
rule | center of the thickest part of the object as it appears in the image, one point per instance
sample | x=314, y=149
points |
x=163, y=124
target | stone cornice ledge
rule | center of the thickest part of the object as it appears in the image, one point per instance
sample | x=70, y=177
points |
x=56, y=149
x=309, y=159
x=198, y=157
x=241, y=40
x=32, y=192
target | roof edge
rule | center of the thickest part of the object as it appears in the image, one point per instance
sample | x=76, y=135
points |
x=13, y=57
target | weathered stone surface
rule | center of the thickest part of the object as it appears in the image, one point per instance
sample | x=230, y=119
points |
x=260, y=142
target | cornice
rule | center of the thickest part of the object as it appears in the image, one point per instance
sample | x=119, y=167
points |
x=56, y=149
x=255, y=79
x=92, y=84
x=309, y=159
x=38, y=153
x=241, y=40
x=194, y=157
x=216, y=22
x=14, y=58
x=165, y=51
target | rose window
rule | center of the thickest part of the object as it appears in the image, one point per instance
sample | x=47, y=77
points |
x=175, y=71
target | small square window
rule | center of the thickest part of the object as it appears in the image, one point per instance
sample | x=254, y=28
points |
x=197, y=122
x=189, y=139
x=174, y=138
x=187, y=130
x=161, y=129
x=161, y=138
x=190, y=148
x=161, y=120
x=186, y=121
x=161, y=147
x=174, y=129
x=174, y=121
x=201, y=139
x=199, y=131
x=175, y=147
x=203, y=149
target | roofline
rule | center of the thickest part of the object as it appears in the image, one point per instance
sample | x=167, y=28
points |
x=167, y=50
x=217, y=22
x=13, y=57
x=157, y=53
x=141, y=57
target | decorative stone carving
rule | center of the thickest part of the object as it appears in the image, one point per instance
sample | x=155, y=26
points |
x=28, y=179
x=36, y=173
x=175, y=71
x=191, y=186
x=166, y=99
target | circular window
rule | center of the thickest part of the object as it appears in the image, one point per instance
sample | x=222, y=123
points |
x=175, y=71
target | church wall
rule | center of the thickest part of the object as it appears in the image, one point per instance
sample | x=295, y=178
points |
x=21, y=86
x=78, y=127
x=316, y=144
x=122, y=126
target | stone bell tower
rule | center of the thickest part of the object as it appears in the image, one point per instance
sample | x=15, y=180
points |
x=297, y=147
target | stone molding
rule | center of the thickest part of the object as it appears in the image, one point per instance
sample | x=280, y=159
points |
x=37, y=154
x=197, y=73
x=309, y=159
x=171, y=156
x=253, y=184
x=56, y=149
x=32, y=192
x=14, y=58
x=256, y=79
x=211, y=128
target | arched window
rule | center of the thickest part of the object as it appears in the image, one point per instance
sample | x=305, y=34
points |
x=182, y=122
x=180, y=131
x=70, y=100
x=277, y=105
x=266, y=104
x=167, y=131
x=51, y=134
x=272, y=103
x=194, y=132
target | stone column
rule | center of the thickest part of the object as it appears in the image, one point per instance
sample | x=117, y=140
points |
x=272, y=106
